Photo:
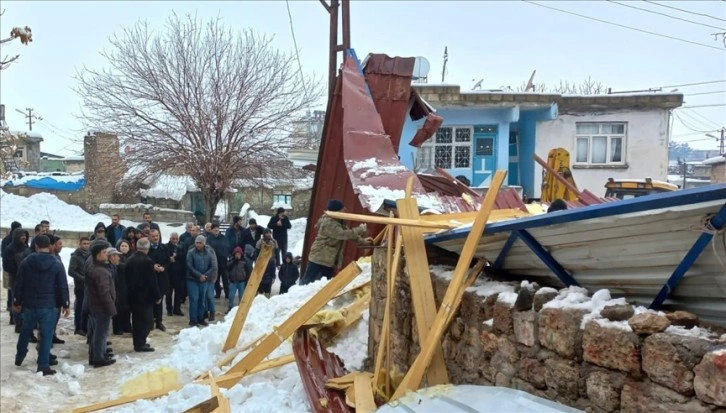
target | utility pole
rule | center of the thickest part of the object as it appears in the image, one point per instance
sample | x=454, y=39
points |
x=721, y=146
x=684, y=169
x=30, y=116
x=336, y=6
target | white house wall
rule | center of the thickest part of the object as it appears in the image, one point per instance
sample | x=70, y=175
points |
x=646, y=147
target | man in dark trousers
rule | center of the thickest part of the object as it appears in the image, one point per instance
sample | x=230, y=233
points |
x=177, y=275
x=143, y=293
x=279, y=224
x=7, y=240
x=221, y=247
x=101, y=305
x=77, y=270
x=162, y=259
x=40, y=288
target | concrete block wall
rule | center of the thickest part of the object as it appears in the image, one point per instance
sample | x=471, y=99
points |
x=547, y=352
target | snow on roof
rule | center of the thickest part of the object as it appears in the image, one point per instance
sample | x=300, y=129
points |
x=168, y=186
x=716, y=160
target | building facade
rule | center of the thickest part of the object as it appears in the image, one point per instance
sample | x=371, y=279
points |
x=607, y=136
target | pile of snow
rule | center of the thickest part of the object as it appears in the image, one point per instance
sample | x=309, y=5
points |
x=197, y=350
x=481, y=287
x=30, y=211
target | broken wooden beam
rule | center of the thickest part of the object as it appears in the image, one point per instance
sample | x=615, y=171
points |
x=377, y=219
x=248, y=296
x=452, y=298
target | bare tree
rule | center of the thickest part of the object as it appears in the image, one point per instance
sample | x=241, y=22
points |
x=586, y=87
x=197, y=99
x=10, y=142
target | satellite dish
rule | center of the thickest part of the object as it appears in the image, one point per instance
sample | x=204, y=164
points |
x=421, y=68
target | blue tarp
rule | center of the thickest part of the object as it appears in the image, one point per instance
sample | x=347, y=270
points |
x=49, y=183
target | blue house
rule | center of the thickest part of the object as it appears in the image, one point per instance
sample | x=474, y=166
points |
x=481, y=132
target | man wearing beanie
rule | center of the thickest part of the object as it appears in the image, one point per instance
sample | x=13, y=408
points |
x=326, y=253
x=143, y=293
x=40, y=288
x=102, y=306
x=279, y=224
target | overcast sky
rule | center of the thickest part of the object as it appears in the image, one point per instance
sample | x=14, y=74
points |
x=497, y=41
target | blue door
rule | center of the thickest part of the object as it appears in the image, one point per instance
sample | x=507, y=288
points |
x=513, y=175
x=485, y=161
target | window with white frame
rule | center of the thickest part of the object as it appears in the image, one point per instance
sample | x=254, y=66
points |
x=450, y=148
x=282, y=198
x=600, y=143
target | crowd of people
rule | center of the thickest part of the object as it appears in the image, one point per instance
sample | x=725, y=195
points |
x=124, y=277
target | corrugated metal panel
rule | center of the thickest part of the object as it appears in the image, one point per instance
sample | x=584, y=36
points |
x=389, y=82
x=469, y=398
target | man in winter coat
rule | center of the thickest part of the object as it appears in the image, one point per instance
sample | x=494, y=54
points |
x=326, y=253
x=234, y=233
x=101, y=305
x=115, y=231
x=177, y=275
x=289, y=273
x=76, y=269
x=12, y=255
x=7, y=240
x=280, y=224
x=40, y=288
x=143, y=294
x=251, y=234
x=238, y=275
x=162, y=258
x=221, y=247
x=201, y=266
x=269, y=276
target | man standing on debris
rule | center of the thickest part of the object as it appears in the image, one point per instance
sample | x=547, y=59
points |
x=326, y=253
x=40, y=288
x=143, y=293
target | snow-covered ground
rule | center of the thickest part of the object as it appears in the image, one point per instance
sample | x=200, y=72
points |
x=190, y=352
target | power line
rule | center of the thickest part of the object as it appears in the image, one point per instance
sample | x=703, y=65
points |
x=694, y=112
x=697, y=121
x=626, y=27
x=693, y=84
x=711, y=105
x=685, y=11
x=688, y=126
x=706, y=93
x=297, y=53
x=664, y=14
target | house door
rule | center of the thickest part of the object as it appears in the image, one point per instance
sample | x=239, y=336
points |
x=485, y=161
x=513, y=174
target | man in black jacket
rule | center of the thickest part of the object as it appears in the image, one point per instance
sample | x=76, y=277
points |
x=77, y=270
x=162, y=258
x=143, y=293
x=40, y=288
x=279, y=224
x=251, y=234
x=7, y=240
x=12, y=255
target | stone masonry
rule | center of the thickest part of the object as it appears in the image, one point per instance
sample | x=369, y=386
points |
x=598, y=366
x=104, y=169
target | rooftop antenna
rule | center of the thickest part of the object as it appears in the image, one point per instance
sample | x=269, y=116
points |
x=530, y=83
x=446, y=59
x=421, y=67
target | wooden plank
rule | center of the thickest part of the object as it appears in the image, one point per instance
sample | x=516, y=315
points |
x=469, y=216
x=225, y=379
x=364, y=402
x=249, y=294
x=384, y=345
x=208, y=406
x=377, y=219
x=377, y=240
x=231, y=355
x=298, y=318
x=422, y=291
x=449, y=305
x=125, y=400
x=223, y=402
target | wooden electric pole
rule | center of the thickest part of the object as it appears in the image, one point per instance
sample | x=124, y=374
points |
x=30, y=116
x=335, y=8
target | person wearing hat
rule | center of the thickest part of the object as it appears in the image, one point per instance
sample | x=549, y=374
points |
x=237, y=270
x=7, y=240
x=202, y=267
x=142, y=294
x=40, y=288
x=101, y=305
x=280, y=224
x=326, y=253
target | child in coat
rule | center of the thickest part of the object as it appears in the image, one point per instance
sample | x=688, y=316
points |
x=289, y=273
x=237, y=270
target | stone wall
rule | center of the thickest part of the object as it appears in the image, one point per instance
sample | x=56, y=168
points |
x=718, y=173
x=104, y=169
x=508, y=340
